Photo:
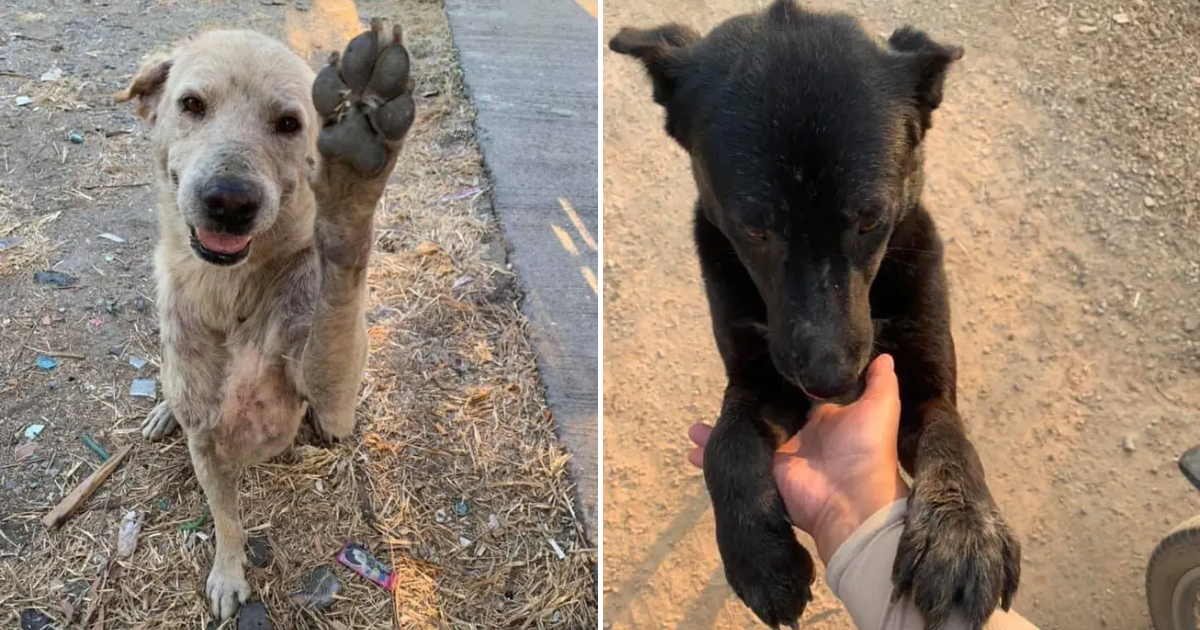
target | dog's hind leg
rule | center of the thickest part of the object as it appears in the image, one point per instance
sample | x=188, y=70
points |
x=227, y=587
x=365, y=98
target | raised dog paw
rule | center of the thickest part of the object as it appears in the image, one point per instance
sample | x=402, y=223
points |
x=227, y=589
x=364, y=97
x=768, y=569
x=159, y=423
x=956, y=553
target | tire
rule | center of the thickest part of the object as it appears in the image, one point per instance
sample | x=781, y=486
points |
x=1173, y=578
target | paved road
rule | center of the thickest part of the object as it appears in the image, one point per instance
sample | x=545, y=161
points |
x=531, y=69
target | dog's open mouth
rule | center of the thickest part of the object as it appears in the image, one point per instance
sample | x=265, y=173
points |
x=220, y=248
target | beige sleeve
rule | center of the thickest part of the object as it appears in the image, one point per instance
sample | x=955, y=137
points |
x=860, y=574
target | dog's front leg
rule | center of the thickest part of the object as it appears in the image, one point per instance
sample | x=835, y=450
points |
x=227, y=587
x=365, y=100
x=957, y=552
x=764, y=563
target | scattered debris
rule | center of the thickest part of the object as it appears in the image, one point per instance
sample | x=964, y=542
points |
x=85, y=489
x=363, y=563
x=138, y=362
x=1149, y=201
x=192, y=526
x=557, y=550
x=464, y=542
x=440, y=516
x=1121, y=18
x=51, y=75
x=24, y=451
x=462, y=194
x=112, y=237
x=163, y=505
x=75, y=137
x=56, y=278
x=34, y=430
x=95, y=447
x=493, y=522
x=461, y=281
x=253, y=616
x=47, y=363
x=1086, y=29
x=260, y=552
x=461, y=508
x=1128, y=444
x=22, y=101
x=34, y=619
x=127, y=536
x=143, y=388
x=95, y=322
x=318, y=591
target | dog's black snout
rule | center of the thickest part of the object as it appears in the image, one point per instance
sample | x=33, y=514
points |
x=231, y=204
x=827, y=370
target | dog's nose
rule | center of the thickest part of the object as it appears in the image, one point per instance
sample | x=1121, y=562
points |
x=231, y=204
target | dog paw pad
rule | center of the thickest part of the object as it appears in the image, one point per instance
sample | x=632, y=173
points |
x=364, y=97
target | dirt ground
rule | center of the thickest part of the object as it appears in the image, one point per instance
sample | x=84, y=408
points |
x=454, y=476
x=1062, y=170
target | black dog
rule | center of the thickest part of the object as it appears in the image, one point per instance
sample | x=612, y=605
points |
x=817, y=254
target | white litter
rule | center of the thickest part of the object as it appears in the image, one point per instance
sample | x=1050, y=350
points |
x=112, y=237
x=127, y=536
x=557, y=550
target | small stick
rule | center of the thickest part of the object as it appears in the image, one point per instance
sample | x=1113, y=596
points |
x=60, y=355
x=83, y=491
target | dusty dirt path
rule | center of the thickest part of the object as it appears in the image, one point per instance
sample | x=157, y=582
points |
x=1062, y=173
x=454, y=476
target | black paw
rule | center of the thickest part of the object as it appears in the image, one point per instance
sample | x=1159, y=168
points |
x=364, y=97
x=956, y=553
x=766, y=567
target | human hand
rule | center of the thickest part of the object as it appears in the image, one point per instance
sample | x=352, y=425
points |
x=842, y=467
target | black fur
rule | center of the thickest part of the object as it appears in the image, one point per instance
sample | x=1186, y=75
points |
x=817, y=254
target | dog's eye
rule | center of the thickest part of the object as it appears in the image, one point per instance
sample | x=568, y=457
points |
x=192, y=105
x=866, y=227
x=757, y=235
x=287, y=124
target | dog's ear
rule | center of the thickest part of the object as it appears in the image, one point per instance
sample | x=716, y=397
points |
x=923, y=63
x=147, y=86
x=661, y=50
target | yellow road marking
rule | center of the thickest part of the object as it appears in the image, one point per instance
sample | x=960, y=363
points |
x=590, y=277
x=579, y=226
x=565, y=239
x=327, y=26
x=591, y=6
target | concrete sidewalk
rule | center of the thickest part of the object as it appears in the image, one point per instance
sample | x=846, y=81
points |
x=532, y=71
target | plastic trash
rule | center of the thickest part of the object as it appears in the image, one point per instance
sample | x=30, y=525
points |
x=127, y=536
x=143, y=388
x=363, y=563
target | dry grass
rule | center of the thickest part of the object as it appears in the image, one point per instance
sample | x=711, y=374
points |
x=451, y=410
x=23, y=246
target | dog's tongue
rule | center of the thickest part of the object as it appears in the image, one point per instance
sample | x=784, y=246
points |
x=222, y=243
